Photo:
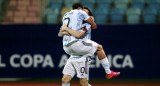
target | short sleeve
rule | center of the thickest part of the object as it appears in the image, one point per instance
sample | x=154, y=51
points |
x=83, y=15
x=88, y=26
x=65, y=15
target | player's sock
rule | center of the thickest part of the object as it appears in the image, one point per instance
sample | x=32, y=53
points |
x=105, y=64
x=89, y=84
x=65, y=84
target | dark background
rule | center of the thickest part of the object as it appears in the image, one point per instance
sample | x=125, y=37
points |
x=141, y=42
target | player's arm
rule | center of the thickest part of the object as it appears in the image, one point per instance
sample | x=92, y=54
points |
x=62, y=33
x=77, y=34
x=91, y=21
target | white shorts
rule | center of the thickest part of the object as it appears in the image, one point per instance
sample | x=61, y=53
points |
x=77, y=66
x=82, y=47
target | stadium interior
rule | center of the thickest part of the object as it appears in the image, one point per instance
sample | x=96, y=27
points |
x=105, y=11
x=31, y=53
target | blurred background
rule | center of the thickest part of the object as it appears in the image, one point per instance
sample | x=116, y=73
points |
x=31, y=53
x=104, y=11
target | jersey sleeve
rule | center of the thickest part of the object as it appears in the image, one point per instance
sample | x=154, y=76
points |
x=83, y=15
x=63, y=19
x=86, y=27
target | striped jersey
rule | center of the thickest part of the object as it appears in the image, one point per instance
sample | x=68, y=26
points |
x=74, y=20
x=87, y=35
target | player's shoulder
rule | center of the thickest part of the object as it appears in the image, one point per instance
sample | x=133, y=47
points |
x=66, y=13
x=79, y=12
x=82, y=12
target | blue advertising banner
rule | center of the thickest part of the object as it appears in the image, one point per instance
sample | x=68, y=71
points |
x=35, y=51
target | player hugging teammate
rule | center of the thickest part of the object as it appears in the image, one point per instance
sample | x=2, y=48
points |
x=78, y=44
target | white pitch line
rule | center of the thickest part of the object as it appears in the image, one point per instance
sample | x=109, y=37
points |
x=9, y=79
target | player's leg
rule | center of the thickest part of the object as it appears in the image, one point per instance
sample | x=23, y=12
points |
x=103, y=59
x=83, y=82
x=66, y=80
x=79, y=48
x=82, y=65
x=105, y=63
x=68, y=73
x=100, y=52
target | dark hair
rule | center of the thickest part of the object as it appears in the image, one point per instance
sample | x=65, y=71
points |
x=77, y=5
x=90, y=13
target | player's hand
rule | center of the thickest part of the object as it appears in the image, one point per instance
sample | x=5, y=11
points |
x=63, y=28
x=66, y=33
x=92, y=18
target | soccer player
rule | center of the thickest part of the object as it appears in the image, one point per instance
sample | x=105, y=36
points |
x=76, y=47
x=85, y=34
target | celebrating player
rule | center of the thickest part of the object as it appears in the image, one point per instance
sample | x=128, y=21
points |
x=86, y=34
x=75, y=47
x=83, y=67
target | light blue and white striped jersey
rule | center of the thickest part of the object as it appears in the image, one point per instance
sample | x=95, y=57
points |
x=74, y=20
x=87, y=35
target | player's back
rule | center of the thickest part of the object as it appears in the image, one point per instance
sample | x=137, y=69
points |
x=73, y=20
